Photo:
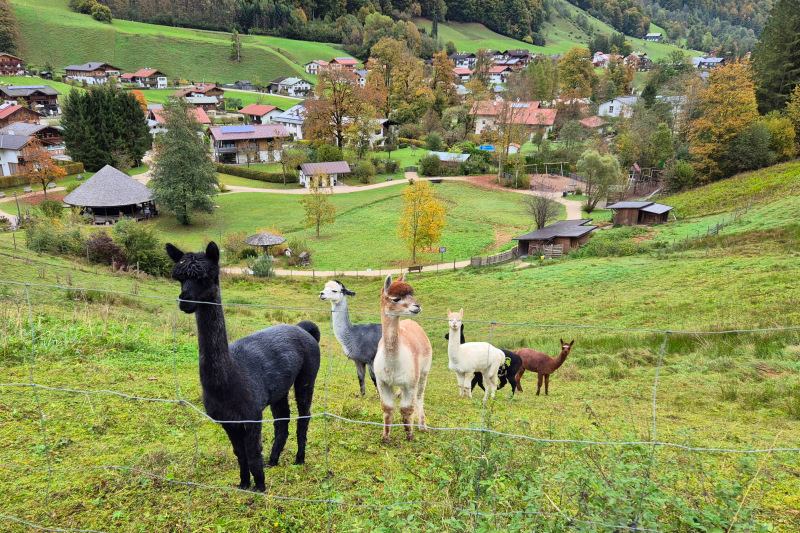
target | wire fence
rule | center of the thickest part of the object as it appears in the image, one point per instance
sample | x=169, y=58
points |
x=484, y=490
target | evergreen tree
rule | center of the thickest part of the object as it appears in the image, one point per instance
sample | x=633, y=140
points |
x=776, y=58
x=183, y=176
x=9, y=31
x=101, y=121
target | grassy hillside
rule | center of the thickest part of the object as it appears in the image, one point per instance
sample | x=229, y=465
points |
x=52, y=33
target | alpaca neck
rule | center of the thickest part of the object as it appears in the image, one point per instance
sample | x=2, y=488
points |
x=217, y=368
x=391, y=334
x=341, y=320
x=453, y=346
x=560, y=360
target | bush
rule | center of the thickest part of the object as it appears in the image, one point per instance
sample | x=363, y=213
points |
x=433, y=142
x=392, y=166
x=411, y=142
x=328, y=152
x=141, y=245
x=101, y=13
x=72, y=186
x=680, y=175
x=100, y=248
x=234, y=245
x=71, y=167
x=262, y=266
x=409, y=132
x=365, y=171
x=254, y=174
x=430, y=165
x=51, y=208
x=297, y=246
x=472, y=166
x=46, y=235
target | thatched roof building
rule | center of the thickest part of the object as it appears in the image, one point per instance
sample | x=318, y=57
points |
x=110, y=193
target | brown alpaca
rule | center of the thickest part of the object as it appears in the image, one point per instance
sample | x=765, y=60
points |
x=542, y=364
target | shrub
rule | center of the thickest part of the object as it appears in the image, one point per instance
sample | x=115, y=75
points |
x=234, y=245
x=411, y=142
x=365, y=171
x=51, y=208
x=430, y=165
x=100, y=248
x=262, y=266
x=409, y=132
x=328, y=152
x=473, y=165
x=141, y=245
x=71, y=167
x=680, y=175
x=254, y=174
x=101, y=13
x=433, y=142
x=72, y=186
x=392, y=166
x=297, y=246
x=50, y=235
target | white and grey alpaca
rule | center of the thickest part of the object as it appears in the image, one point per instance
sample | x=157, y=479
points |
x=359, y=341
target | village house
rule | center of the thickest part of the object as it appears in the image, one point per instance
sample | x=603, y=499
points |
x=638, y=62
x=315, y=67
x=41, y=98
x=274, y=85
x=290, y=86
x=488, y=114
x=49, y=136
x=499, y=74
x=569, y=234
x=11, y=65
x=327, y=174
x=243, y=144
x=156, y=120
x=594, y=124
x=201, y=89
x=11, y=159
x=633, y=213
x=206, y=103
x=260, y=113
x=91, y=73
x=361, y=77
x=524, y=57
x=16, y=113
x=147, y=77
x=653, y=37
x=622, y=106
x=708, y=62
x=463, y=60
x=462, y=74
x=347, y=63
x=292, y=120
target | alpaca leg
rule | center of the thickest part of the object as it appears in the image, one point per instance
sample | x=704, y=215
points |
x=513, y=381
x=303, y=397
x=253, y=447
x=539, y=388
x=423, y=381
x=467, y=381
x=460, y=378
x=361, y=370
x=407, y=408
x=236, y=436
x=477, y=379
x=280, y=409
x=387, y=404
x=372, y=376
x=519, y=378
x=547, y=385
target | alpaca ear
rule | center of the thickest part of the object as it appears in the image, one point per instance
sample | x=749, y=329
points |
x=562, y=341
x=348, y=292
x=461, y=313
x=448, y=312
x=173, y=252
x=571, y=343
x=403, y=277
x=212, y=252
x=387, y=284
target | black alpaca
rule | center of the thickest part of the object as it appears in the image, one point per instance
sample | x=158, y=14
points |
x=508, y=370
x=239, y=381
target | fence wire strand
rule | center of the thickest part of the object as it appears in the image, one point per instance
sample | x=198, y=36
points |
x=330, y=501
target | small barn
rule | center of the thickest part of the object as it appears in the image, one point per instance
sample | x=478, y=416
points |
x=110, y=195
x=570, y=234
x=328, y=173
x=450, y=159
x=633, y=213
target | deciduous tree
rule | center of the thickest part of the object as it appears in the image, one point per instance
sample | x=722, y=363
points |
x=601, y=174
x=9, y=30
x=318, y=208
x=542, y=208
x=422, y=219
x=576, y=72
x=184, y=178
x=39, y=166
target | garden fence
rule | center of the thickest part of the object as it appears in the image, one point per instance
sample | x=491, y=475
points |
x=485, y=508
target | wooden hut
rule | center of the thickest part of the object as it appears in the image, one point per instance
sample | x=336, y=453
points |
x=110, y=195
x=633, y=213
x=569, y=234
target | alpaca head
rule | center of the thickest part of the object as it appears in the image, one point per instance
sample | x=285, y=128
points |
x=198, y=274
x=454, y=319
x=334, y=292
x=397, y=299
x=565, y=347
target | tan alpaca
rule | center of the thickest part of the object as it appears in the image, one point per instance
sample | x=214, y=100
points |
x=403, y=359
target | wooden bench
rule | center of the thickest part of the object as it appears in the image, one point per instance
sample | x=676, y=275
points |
x=27, y=189
x=436, y=180
x=2, y=195
x=51, y=185
x=417, y=268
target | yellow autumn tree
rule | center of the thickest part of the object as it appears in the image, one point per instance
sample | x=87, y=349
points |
x=727, y=107
x=319, y=210
x=793, y=111
x=422, y=219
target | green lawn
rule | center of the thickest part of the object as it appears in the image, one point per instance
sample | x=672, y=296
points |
x=159, y=96
x=227, y=179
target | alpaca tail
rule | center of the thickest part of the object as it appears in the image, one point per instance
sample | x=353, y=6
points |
x=311, y=328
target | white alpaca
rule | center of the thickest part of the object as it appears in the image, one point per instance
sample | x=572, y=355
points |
x=471, y=357
x=403, y=359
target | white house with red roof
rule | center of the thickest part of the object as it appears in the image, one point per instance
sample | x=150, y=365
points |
x=499, y=74
x=489, y=114
x=247, y=144
x=147, y=77
x=316, y=66
x=462, y=74
x=343, y=62
x=157, y=121
x=260, y=113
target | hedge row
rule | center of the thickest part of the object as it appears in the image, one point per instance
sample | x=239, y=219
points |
x=72, y=167
x=414, y=142
x=254, y=174
x=16, y=180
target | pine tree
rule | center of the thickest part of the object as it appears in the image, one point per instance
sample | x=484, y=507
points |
x=776, y=58
x=183, y=176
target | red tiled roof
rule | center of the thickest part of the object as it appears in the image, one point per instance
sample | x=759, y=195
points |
x=258, y=110
x=146, y=72
x=462, y=71
x=199, y=114
x=260, y=131
x=497, y=70
x=344, y=61
x=10, y=110
x=127, y=76
x=592, y=122
x=531, y=115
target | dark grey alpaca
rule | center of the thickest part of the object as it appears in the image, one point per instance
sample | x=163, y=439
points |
x=239, y=381
x=506, y=373
x=359, y=341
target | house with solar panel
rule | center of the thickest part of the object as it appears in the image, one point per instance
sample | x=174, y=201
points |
x=240, y=145
x=92, y=73
x=635, y=213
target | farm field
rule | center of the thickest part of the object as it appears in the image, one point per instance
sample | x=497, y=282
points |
x=736, y=391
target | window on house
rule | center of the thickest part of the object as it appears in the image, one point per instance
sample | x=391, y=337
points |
x=13, y=169
x=611, y=109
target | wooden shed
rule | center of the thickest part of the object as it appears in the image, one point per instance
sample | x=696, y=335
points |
x=568, y=233
x=633, y=213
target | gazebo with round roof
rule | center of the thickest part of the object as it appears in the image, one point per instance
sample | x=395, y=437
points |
x=265, y=240
x=110, y=195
